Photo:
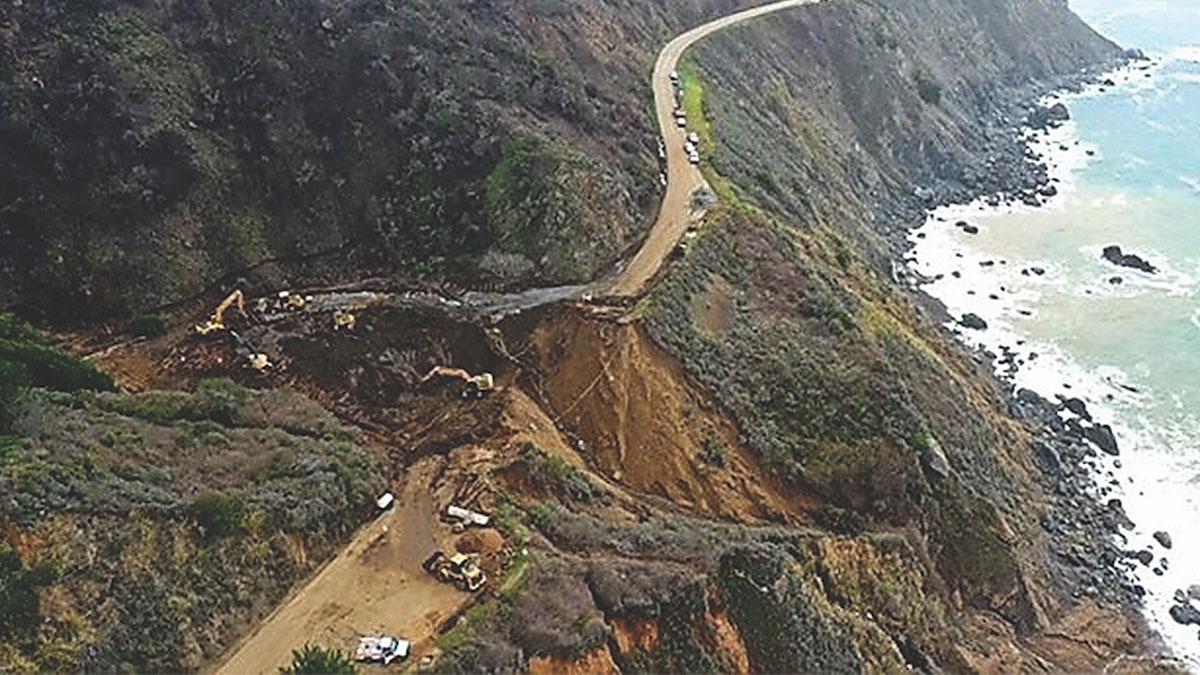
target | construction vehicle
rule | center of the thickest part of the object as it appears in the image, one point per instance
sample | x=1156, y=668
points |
x=291, y=301
x=476, y=385
x=383, y=649
x=458, y=569
x=246, y=349
x=217, y=321
x=343, y=320
x=466, y=517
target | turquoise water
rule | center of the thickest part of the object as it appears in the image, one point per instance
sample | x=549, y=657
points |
x=1131, y=350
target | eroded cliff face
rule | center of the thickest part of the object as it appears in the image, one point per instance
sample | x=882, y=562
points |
x=774, y=463
x=872, y=112
x=876, y=110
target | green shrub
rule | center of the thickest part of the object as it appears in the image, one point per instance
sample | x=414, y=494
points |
x=314, y=660
x=715, y=451
x=223, y=400
x=148, y=325
x=20, y=609
x=27, y=361
x=557, y=475
x=920, y=442
x=929, y=90
x=218, y=515
x=121, y=439
x=839, y=520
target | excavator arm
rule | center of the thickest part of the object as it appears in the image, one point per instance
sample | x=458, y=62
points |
x=443, y=371
x=217, y=321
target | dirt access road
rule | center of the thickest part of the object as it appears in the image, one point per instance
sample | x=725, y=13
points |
x=375, y=586
x=675, y=213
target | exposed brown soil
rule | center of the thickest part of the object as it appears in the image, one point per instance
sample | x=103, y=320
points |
x=645, y=424
x=599, y=662
x=375, y=586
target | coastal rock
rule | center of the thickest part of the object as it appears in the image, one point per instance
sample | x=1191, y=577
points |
x=1102, y=436
x=1052, y=464
x=1116, y=281
x=972, y=321
x=1041, y=118
x=1163, y=539
x=1134, y=54
x=1059, y=113
x=1193, y=591
x=1144, y=557
x=1029, y=405
x=1078, y=407
x=1114, y=255
x=1185, y=614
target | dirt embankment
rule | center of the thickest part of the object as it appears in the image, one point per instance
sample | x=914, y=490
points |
x=645, y=424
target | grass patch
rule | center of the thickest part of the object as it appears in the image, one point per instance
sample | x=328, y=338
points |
x=694, y=107
x=558, y=476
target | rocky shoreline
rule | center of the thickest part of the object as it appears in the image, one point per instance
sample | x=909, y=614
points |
x=1086, y=526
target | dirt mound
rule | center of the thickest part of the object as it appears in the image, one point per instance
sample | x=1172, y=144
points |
x=648, y=426
x=485, y=541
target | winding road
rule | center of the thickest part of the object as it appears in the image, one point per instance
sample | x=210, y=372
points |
x=675, y=213
x=375, y=584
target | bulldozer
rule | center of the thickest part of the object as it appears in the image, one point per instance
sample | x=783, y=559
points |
x=217, y=321
x=477, y=386
x=458, y=569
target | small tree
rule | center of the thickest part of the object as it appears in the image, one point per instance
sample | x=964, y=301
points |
x=218, y=515
x=314, y=660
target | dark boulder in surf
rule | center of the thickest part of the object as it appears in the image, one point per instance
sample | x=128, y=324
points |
x=1116, y=256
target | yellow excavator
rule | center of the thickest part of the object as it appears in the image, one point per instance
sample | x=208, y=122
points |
x=217, y=321
x=477, y=385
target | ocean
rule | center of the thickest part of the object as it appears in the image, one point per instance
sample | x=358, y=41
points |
x=1127, y=342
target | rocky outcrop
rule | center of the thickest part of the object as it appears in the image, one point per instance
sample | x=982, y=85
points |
x=1114, y=255
x=973, y=321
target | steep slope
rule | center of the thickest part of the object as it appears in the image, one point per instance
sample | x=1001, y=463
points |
x=876, y=110
x=154, y=149
x=773, y=463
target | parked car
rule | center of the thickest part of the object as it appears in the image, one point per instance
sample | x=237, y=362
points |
x=383, y=649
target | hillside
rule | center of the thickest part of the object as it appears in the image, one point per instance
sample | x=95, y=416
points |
x=773, y=461
x=156, y=149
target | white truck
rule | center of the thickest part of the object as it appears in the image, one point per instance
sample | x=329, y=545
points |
x=383, y=649
x=466, y=516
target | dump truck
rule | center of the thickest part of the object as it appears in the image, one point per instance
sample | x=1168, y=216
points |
x=458, y=569
x=476, y=385
x=383, y=649
x=217, y=321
